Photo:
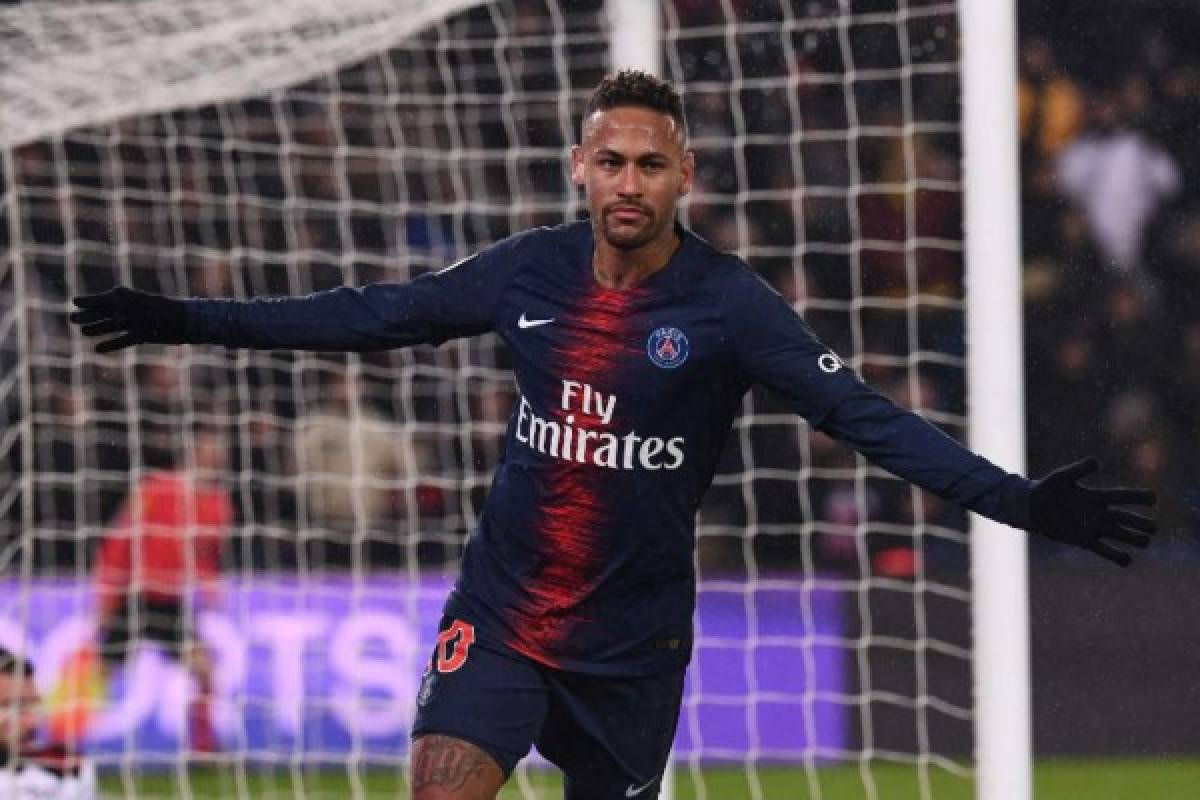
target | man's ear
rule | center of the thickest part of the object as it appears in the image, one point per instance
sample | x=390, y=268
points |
x=688, y=170
x=577, y=164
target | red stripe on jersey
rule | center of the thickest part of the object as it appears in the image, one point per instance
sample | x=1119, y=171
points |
x=596, y=351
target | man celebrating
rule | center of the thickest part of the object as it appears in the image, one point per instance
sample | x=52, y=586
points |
x=633, y=342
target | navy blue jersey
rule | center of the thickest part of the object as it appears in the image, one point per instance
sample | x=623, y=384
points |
x=583, y=558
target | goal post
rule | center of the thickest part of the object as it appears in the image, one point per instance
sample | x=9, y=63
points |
x=637, y=35
x=999, y=568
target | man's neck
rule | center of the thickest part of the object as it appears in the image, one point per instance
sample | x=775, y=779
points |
x=615, y=268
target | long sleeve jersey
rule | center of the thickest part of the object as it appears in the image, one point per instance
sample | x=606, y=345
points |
x=583, y=556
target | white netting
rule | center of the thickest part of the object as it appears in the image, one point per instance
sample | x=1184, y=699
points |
x=827, y=135
x=66, y=64
x=236, y=149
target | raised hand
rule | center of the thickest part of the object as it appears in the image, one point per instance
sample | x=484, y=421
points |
x=1064, y=510
x=139, y=317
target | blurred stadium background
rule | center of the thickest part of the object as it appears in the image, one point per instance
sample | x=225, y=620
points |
x=833, y=658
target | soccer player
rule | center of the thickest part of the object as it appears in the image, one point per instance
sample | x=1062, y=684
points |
x=27, y=771
x=633, y=342
x=164, y=543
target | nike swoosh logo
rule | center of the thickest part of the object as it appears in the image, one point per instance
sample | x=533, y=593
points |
x=630, y=791
x=524, y=323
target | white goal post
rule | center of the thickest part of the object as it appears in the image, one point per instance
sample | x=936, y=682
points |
x=999, y=568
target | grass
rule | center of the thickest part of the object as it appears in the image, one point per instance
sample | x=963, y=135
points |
x=1108, y=779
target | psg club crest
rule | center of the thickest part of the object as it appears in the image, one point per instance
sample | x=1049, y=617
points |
x=667, y=347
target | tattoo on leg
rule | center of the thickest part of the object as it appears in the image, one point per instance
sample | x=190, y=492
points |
x=446, y=762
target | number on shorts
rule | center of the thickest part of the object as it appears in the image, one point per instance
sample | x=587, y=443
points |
x=453, y=645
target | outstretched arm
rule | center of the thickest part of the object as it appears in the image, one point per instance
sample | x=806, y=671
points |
x=776, y=348
x=1057, y=506
x=457, y=301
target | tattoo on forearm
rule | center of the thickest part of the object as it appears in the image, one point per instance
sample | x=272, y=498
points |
x=446, y=762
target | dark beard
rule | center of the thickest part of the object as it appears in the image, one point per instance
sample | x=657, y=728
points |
x=643, y=237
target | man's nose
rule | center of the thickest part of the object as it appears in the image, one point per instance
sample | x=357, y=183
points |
x=631, y=181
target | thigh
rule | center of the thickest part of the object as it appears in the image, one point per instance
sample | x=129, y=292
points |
x=482, y=694
x=611, y=736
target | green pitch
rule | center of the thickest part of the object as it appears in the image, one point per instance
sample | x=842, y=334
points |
x=1055, y=780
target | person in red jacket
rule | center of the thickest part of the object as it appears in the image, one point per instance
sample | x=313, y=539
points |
x=159, y=562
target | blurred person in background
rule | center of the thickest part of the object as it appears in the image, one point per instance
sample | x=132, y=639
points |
x=1050, y=103
x=29, y=771
x=353, y=462
x=160, y=561
x=161, y=400
x=1119, y=177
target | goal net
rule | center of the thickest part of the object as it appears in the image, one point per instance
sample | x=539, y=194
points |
x=235, y=148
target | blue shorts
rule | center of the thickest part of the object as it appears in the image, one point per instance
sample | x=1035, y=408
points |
x=611, y=736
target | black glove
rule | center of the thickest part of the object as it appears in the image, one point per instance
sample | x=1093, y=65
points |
x=1066, y=511
x=139, y=316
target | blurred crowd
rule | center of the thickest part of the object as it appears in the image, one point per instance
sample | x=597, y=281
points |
x=846, y=196
x=1109, y=117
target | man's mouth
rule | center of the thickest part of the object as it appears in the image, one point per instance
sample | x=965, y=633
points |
x=627, y=213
